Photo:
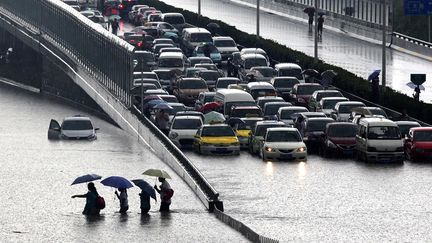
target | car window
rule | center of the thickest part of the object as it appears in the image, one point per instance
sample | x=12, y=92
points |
x=347, y=108
x=272, y=109
x=218, y=131
x=224, y=43
x=316, y=125
x=201, y=37
x=383, y=132
x=208, y=98
x=283, y=136
x=291, y=72
x=187, y=124
x=342, y=131
x=252, y=62
x=192, y=84
x=285, y=83
x=170, y=62
x=77, y=125
x=308, y=89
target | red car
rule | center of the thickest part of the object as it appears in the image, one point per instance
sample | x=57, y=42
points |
x=418, y=143
x=339, y=139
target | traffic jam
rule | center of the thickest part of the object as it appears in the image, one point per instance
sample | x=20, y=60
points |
x=208, y=94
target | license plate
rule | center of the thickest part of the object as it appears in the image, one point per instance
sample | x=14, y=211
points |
x=286, y=156
x=221, y=149
x=347, y=152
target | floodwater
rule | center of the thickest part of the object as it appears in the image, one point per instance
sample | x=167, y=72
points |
x=324, y=200
x=357, y=56
x=36, y=175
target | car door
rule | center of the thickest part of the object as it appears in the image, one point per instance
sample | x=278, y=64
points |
x=361, y=139
x=54, y=130
x=408, y=142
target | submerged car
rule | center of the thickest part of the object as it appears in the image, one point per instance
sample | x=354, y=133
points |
x=258, y=132
x=283, y=143
x=216, y=139
x=339, y=139
x=183, y=130
x=418, y=144
x=76, y=127
x=244, y=128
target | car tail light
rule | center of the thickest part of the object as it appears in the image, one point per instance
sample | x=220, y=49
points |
x=140, y=44
x=121, y=6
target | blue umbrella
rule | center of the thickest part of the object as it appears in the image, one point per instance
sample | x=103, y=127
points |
x=153, y=103
x=145, y=187
x=374, y=75
x=327, y=77
x=117, y=182
x=163, y=106
x=86, y=178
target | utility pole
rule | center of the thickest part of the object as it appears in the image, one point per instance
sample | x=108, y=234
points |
x=257, y=19
x=316, y=32
x=199, y=7
x=384, y=35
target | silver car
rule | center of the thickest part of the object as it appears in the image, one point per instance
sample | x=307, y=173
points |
x=76, y=127
x=283, y=143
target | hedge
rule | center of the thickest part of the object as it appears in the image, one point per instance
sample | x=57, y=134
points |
x=345, y=80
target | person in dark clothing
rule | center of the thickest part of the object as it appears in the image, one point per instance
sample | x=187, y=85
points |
x=115, y=26
x=375, y=89
x=123, y=198
x=90, y=207
x=416, y=94
x=145, y=202
x=311, y=15
x=320, y=24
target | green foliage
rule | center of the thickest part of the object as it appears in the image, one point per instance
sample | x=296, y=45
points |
x=345, y=80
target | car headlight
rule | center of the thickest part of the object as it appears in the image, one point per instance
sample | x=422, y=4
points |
x=371, y=149
x=330, y=144
x=301, y=149
x=269, y=149
x=173, y=135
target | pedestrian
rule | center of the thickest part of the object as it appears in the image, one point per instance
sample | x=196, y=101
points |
x=166, y=193
x=123, y=197
x=162, y=119
x=404, y=115
x=115, y=26
x=416, y=94
x=375, y=89
x=320, y=24
x=145, y=202
x=91, y=196
x=311, y=15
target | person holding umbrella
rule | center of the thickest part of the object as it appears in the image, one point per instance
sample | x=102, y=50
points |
x=162, y=119
x=115, y=26
x=123, y=198
x=91, y=196
x=320, y=24
x=374, y=78
x=166, y=193
x=310, y=11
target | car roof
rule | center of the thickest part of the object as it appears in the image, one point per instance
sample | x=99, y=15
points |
x=307, y=84
x=222, y=38
x=196, y=30
x=245, y=107
x=319, y=119
x=187, y=118
x=76, y=118
x=287, y=65
x=378, y=121
x=285, y=77
x=252, y=119
x=312, y=113
x=215, y=125
x=171, y=54
x=252, y=50
x=293, y=108
x=282, y=129
x=415, y=129
x=327, y=91
x=252, y=56
x=407, y=123
x=350, y=103
x=266, y=122
x=335, y=98
x=259, y=84
x=228, y=78
x=341, y=124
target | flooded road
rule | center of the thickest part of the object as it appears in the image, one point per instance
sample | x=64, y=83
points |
x=324, y=200
x=36, y=175
x=357, y=56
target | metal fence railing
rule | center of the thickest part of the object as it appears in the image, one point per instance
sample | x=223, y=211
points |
x=104, y=55
x=242, y=228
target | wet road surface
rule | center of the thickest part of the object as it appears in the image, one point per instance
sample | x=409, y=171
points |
x=36, y=175
x=324, y=200
x=357, y=56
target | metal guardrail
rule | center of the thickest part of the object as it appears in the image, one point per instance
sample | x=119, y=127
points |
x=242, y=228
x=211, y=193
x=106, y=56
x=412, y=40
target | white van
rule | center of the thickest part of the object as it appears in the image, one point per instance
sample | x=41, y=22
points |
x=233, y=97
x=172, y=61
x=289, y=70
x=379, y=139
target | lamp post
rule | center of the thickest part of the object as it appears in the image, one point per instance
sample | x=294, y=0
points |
x=384, y=35
x=257, y=19
x=199, y=7
x=316, y=32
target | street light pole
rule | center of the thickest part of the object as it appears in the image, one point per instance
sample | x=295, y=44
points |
x=199, y=7
x=316, y=33
x=257, y=19
x=384, y=35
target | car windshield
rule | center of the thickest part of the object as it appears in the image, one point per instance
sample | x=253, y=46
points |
x=330, y=104
x=201, y=37
x=404, y=129
x=228, y=105
x=170, y=62
x=77, y=125
x=199, y=60
x=423, y=136
x=223, y=83
x=145, y=75
x=327, y=94
x=210, y=75
x=176, y=108
x=286, y=114
x=347, y=130
x=146, y=57
x=291, y=72
x=308, y=89
x=262, y=92
x=192, y=84
x=169, y=99
x=316, y=126
x=246, y=113
x=253, y=62
x=261, y=130
x=283, y=136
x=174, y=19
x=266, y=72
x=210, y=49
x=378, y=112
x=246, y=125
x=224, y=43
x=187, y=124
x=383, y=132
x=347, y=108
x=285, y=83
x=208, y=98
x=272, y=109
x=217, y=131
x=164, y=75
x=138, y=82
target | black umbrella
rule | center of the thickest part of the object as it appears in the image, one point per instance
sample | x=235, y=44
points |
x=213, y=25
x=311, y=72
x=327, y=77
x=309, y=10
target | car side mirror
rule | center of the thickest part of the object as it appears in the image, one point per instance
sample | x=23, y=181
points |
x=97, y=129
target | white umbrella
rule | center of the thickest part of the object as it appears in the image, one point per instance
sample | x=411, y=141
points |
x=413, y=86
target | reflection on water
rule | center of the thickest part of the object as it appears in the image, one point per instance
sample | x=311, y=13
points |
x=301, y=170
x=269, y=169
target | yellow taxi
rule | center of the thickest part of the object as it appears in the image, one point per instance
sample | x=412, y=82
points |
x=244, y=128
x=216, y=139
